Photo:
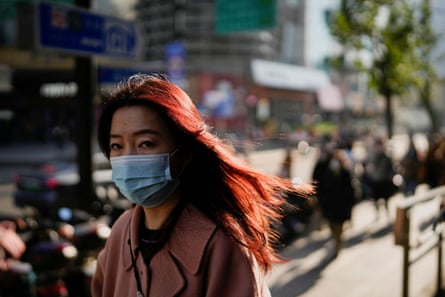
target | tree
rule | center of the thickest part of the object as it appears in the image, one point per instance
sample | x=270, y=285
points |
x=391, y=34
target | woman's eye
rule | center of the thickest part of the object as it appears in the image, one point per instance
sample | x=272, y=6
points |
x=115, y=146
x=146, y=144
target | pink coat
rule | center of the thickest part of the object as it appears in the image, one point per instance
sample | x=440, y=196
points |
x=199, y=259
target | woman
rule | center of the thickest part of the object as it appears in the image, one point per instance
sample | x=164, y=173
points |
x=200, y=225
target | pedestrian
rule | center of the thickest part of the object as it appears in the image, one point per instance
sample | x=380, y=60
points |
x=434, y=166
x=286, y=165
x=334, y=191
x=381, y=172
x=200, y=224
x=410, y=166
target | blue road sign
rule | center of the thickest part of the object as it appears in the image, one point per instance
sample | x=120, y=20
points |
x=70, y=29
x=175, y=56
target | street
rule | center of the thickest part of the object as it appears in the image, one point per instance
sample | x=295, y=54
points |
x=369, y=265
x=281, y=83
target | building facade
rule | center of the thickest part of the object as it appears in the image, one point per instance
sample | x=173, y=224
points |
x=218, y=66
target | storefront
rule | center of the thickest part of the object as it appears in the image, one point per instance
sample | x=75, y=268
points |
x=39, y=107
x=283, y=96
x=42, y=105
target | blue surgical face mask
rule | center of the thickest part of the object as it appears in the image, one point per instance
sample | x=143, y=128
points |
x=144, y=179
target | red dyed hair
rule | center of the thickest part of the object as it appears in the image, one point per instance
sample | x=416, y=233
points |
x=239, y=198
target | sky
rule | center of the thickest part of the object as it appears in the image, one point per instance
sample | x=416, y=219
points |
x=438, y=21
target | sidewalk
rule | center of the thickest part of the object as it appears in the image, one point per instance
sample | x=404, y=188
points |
x=369, y=265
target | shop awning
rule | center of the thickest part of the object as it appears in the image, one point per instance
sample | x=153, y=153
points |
x=287, y=76
x=298, y=78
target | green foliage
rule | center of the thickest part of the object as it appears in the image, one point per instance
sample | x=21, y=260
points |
x=395, y=36
x=383, y=30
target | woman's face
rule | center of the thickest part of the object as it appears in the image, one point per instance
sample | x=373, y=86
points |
x=140, y=130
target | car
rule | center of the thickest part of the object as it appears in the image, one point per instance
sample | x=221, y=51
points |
x=56, y=184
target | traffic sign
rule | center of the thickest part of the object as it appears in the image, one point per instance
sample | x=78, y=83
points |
x=175, y=58
x=78, y=31
x=244, y=15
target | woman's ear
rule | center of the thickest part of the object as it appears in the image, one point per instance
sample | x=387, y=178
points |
x=189, y=155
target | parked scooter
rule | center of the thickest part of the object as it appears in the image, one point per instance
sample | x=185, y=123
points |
x=62, y=246
x=41, y=270
x=88, y=235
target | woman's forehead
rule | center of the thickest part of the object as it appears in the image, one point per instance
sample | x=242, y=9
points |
x=137, y=117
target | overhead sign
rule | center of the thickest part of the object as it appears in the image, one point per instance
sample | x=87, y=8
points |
x=244, y=15
x=78, y=31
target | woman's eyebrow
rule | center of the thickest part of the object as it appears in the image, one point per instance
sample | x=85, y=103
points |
x=138, y=132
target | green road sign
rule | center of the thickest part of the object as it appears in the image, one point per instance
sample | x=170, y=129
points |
x=244, y=15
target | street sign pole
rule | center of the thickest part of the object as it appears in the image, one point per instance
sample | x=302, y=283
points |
x=84, y=114
x=83, y=75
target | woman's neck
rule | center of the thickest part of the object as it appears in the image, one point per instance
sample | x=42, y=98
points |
x=155, y=217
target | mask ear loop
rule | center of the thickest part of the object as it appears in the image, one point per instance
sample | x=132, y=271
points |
x=171, y=155
x=135, y=268
x=177, y=149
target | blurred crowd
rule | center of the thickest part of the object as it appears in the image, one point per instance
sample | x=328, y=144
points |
x=352, y=167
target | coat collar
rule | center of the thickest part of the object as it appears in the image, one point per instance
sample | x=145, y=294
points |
x=188, y=250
